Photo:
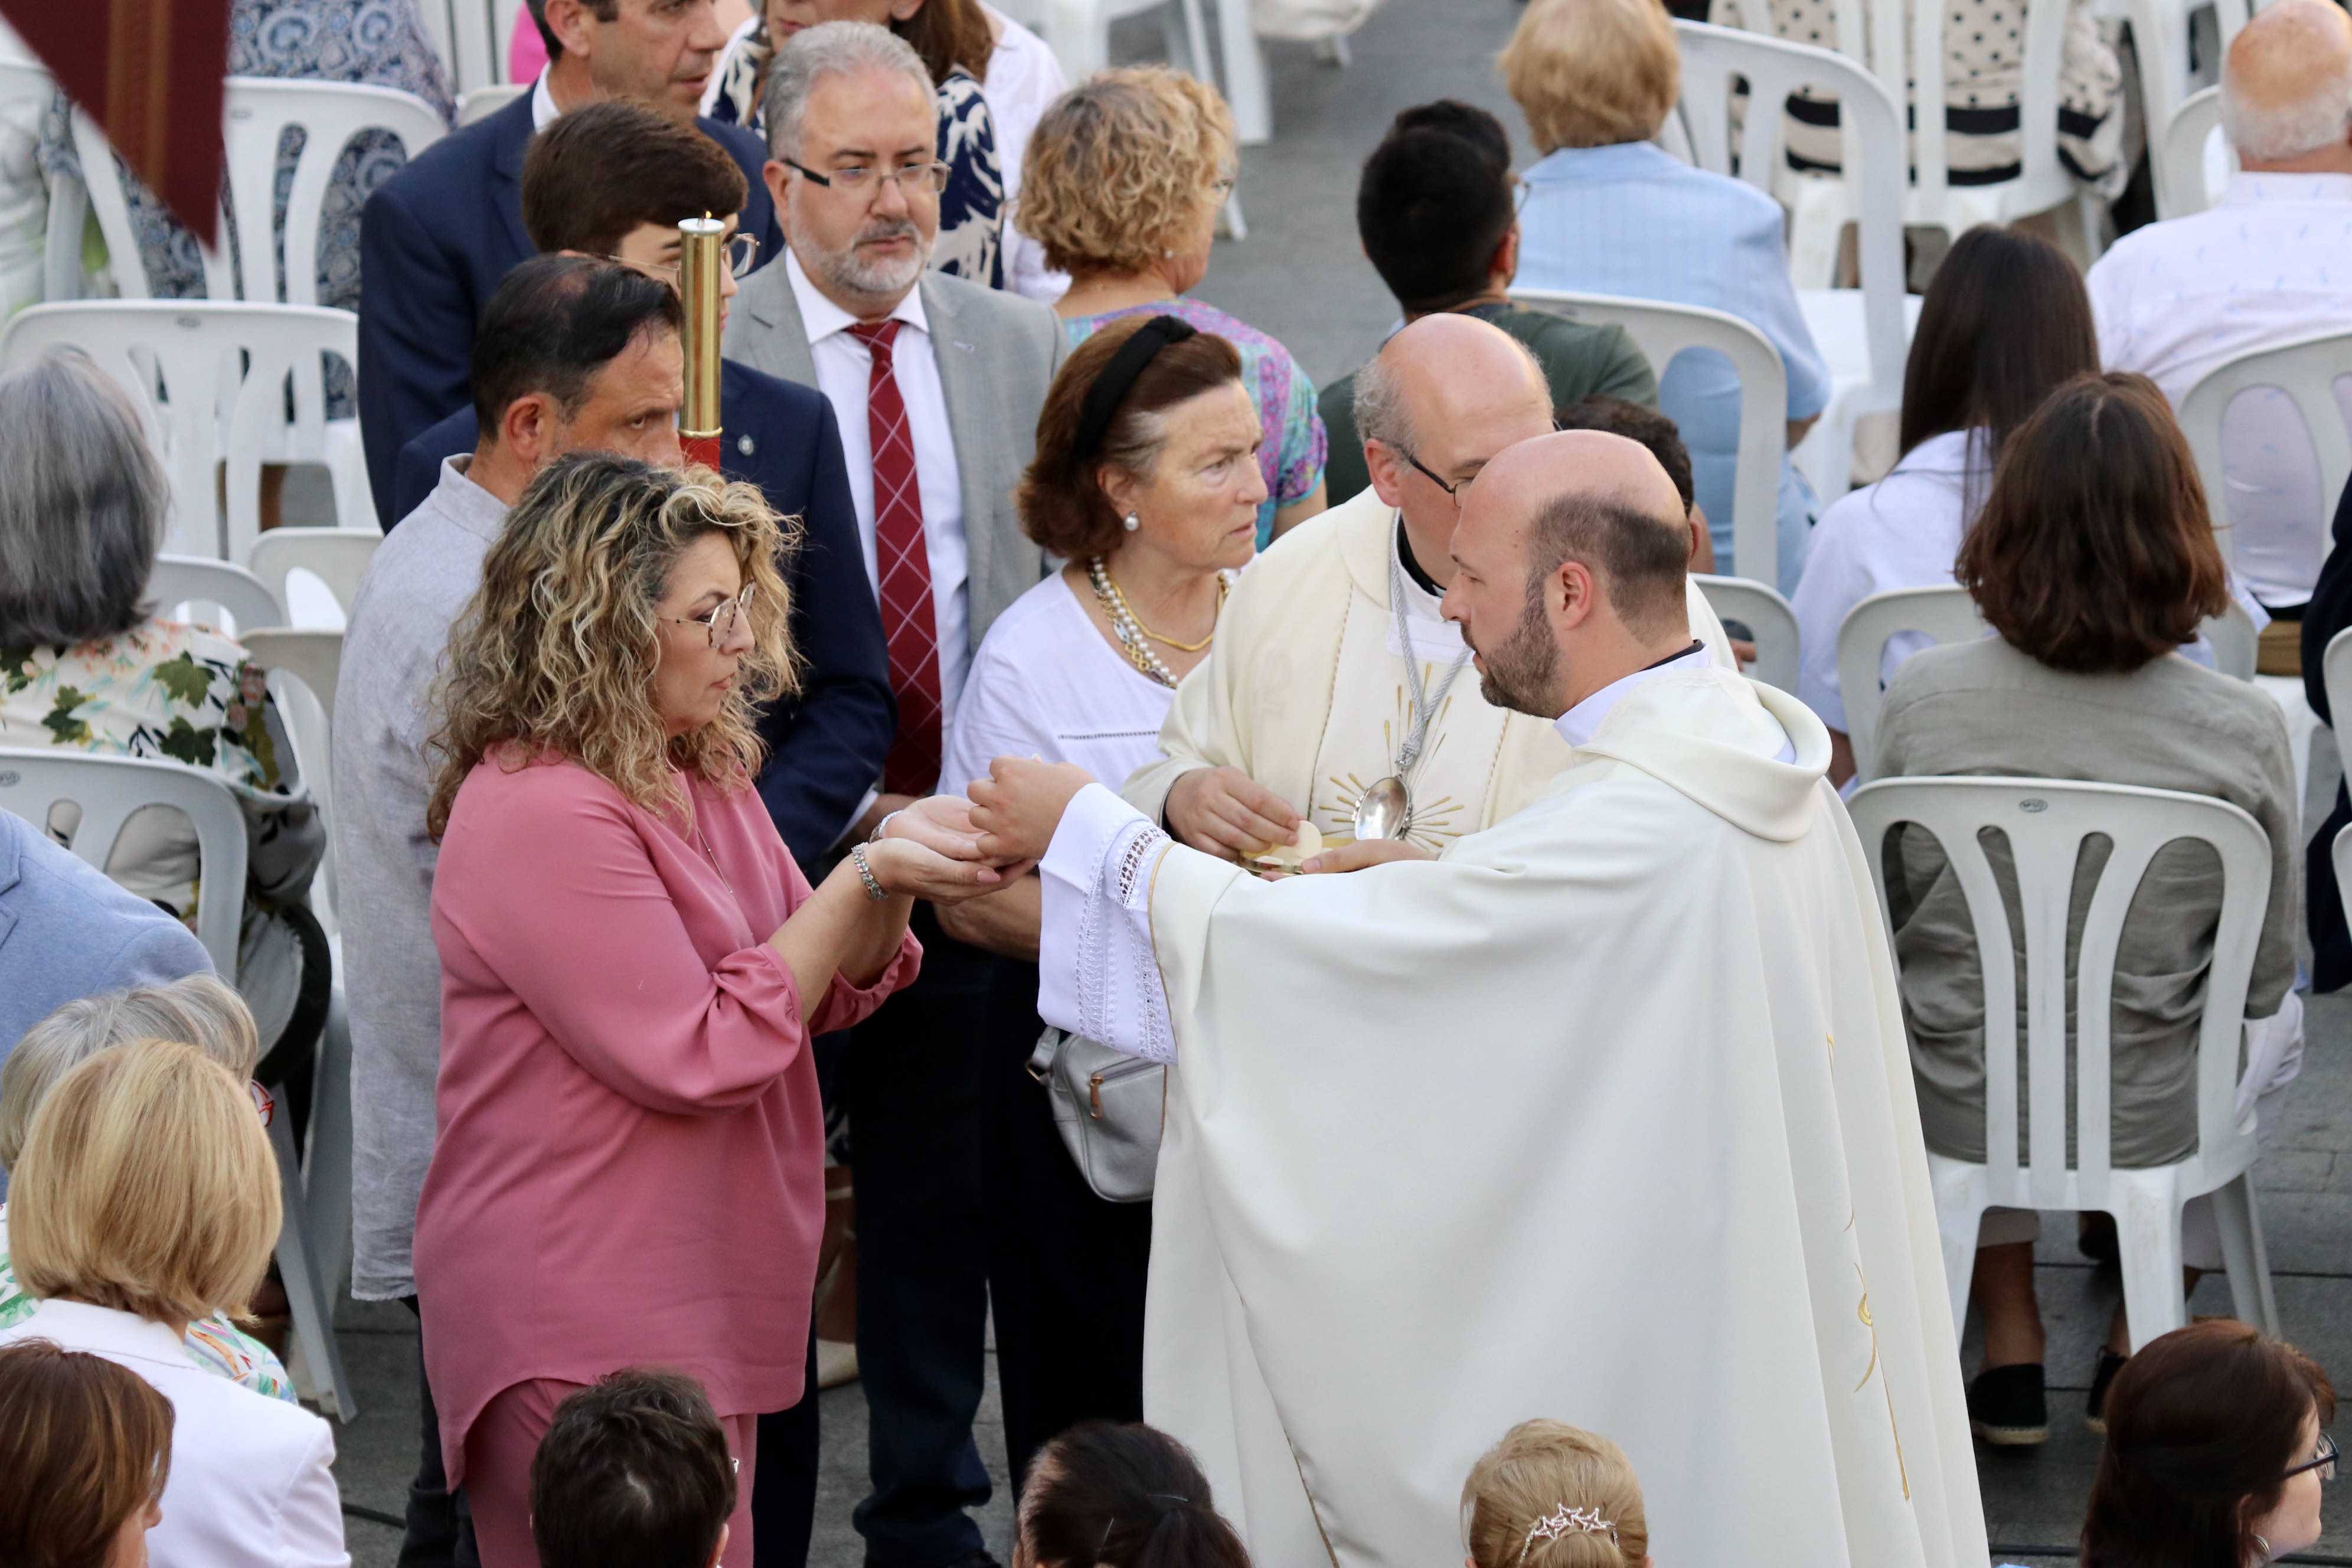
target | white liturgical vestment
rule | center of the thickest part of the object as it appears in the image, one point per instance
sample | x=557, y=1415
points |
x=1307, y=691
x=1604, y=1115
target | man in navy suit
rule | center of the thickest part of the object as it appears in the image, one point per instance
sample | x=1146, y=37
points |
x=611, y=180
x=435, y=238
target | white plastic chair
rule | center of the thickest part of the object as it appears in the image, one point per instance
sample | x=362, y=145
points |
x=2046, y=822
x=1863, y=333
x=255, y=112
x=34, y=780
x=1078, y=32
x=473, y=37
x=2192, y=151
x=481, y=102
x=2341, y=853
x=1769, y=619
x=1661, y=331
x=2160, y=30
x=109, y=790
x=2336, y=677
x=2306, y=370
x=1945, y=614
x=198, y=582
x=223, y=368
x=338, y=557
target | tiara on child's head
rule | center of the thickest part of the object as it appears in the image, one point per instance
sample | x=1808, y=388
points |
x=1563, y=1522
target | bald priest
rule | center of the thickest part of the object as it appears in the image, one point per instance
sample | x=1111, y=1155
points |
x=1603, y=1113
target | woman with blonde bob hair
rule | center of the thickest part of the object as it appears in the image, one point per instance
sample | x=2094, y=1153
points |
x=195, y=1008
x=633, y=968
x=146, y=1196
x=1608, y=212
x=1553, y=1496
x=1121, y=185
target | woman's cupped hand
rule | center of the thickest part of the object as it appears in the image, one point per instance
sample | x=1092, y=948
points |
x=931, y=849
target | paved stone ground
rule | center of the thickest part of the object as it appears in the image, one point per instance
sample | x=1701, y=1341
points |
x=1300, y=275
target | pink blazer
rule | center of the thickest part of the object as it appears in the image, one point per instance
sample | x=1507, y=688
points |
x=628, y=1164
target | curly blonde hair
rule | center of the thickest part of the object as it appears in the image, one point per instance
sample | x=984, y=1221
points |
x=555, y=653
x=1122, y=168
x=1540, y=1468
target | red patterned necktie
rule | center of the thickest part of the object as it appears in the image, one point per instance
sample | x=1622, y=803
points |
x=909, y=621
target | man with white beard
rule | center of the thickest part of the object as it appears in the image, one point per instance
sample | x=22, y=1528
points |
x=1603, y=1113
x=936, y=383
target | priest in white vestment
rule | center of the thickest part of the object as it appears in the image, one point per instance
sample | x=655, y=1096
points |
x=1602, y=1114
x=1308, y=699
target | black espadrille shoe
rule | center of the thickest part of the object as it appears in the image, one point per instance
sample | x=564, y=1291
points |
x=2008, y=1408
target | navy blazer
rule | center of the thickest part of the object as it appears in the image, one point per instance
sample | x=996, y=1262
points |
x=826, y=745
x=434, y=241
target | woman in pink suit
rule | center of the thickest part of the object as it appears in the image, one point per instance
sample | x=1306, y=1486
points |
x=627, y=1165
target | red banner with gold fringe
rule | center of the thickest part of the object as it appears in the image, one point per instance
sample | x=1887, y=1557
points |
x=150, y=73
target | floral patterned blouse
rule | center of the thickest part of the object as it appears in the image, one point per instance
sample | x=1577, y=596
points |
x=213, y=1345
x=162, y=689
x=1296, y=445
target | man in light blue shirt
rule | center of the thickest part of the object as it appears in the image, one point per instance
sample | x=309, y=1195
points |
x=1628, y=219
x=1607, y=212
x=65, y=931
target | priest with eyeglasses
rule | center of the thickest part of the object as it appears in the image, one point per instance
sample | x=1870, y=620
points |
x=1602, y=1113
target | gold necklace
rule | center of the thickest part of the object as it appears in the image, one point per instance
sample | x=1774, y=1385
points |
x=1222, y=584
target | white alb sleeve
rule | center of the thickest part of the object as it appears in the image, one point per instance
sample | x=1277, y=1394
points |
x=1096, y=973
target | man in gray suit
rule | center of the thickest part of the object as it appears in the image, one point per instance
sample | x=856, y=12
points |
x=937, y=384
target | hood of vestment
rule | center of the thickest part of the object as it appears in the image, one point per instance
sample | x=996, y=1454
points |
x=1716, y=737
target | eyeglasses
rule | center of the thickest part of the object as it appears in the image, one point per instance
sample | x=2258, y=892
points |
x=264, y=1103
x=722, y=619
x=2324, y=1461
x=742, y=252
x=927, y=179
x=1453, y=492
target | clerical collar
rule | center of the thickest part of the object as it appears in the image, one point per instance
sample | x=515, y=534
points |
x=1421, y=579
x=1582, y=722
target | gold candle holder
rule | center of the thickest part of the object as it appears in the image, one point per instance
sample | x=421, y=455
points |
x=701, y=253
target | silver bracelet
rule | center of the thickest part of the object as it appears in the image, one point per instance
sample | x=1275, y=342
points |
x=874, y=889
x=882, y=828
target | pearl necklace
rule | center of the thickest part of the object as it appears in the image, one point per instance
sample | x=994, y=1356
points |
x=1132, y=638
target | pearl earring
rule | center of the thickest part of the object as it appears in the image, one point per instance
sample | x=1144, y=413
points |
x=1133, y=523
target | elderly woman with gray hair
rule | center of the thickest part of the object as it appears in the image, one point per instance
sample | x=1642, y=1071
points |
x=87, y=665
x=197, y=1010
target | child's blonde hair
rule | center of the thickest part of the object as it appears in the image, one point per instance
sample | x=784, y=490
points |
x=1550, y=1495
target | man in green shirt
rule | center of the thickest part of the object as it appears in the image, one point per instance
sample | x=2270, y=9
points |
x=1439, y=223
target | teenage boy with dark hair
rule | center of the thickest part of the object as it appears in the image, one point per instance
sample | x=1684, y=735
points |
x=1440, y=224
x=633, y=1472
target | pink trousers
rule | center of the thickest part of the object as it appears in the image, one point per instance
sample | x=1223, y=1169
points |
x=499, y=1449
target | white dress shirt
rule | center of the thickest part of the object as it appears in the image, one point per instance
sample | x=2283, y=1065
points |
x=543, y=101
x=2273, y=262
x=844, y=371
x=1902, y=532
x=251, y=1481
x=1582, y=722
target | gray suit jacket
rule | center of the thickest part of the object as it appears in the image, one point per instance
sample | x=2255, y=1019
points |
x=997, y=353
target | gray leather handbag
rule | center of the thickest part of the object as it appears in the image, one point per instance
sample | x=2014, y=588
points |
x=1109, y=1107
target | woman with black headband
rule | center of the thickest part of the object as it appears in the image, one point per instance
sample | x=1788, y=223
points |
x=1146, y=482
